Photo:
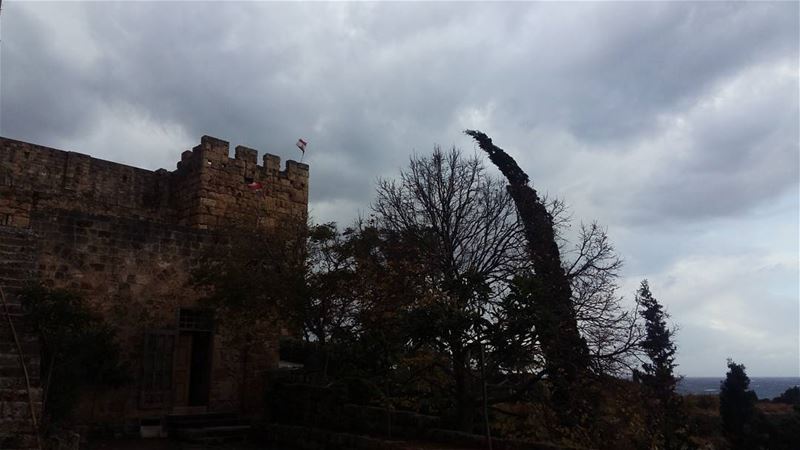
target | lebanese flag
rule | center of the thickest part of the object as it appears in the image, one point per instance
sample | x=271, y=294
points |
x=255, y=186
x=301, y=144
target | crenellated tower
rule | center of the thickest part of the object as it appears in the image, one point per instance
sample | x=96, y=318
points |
x=211, y=190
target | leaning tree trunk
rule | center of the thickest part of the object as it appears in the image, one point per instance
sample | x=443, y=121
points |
x=564, y=349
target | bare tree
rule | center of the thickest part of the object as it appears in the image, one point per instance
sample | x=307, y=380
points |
x=612, y=332
x=330, y=304
x=464, y=226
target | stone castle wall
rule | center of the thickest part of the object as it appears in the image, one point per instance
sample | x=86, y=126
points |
x=126, y=239
x=35, y=177
x=207, y=190
x=136, y=275
x=211, y=189
x=17, y=263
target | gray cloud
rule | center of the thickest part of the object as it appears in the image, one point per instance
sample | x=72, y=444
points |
x=662, y=120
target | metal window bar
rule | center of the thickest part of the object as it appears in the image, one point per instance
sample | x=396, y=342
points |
x=195, y=320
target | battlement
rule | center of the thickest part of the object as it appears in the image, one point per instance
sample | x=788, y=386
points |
x=214, y=152
x=214, y=189
x=208, y=189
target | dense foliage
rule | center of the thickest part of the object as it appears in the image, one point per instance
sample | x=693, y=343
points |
x=434, y=295
x=79, y=349
x=446, y=301
x=790, y=396
x=736, y=402
x=665, y=419
x=248, y=278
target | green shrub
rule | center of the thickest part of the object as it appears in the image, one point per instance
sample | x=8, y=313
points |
x=78, y=349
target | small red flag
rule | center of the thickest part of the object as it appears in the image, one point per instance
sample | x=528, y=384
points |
x=301, y=144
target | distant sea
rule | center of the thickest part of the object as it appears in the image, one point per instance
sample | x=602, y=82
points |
x=765, y=387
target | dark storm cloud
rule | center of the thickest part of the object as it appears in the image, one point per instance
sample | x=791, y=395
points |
x=735, y=150
x=370, y=83
x=43, y=92
x=659, y=119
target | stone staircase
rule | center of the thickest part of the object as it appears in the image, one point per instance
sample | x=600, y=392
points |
x=17, y=267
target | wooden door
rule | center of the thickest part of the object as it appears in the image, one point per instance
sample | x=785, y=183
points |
x=156, y=384
x=183, y=369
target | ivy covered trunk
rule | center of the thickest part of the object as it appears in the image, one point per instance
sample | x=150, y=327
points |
x=564, y=349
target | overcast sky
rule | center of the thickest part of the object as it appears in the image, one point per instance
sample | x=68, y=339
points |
x=673, y=124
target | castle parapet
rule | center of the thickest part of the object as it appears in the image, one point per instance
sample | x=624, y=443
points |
x=208, y=189
x=221, y=190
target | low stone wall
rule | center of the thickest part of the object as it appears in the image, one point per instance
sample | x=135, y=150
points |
x=388, y=422
x=317, y=417
x=306, y=438
x=466, y=440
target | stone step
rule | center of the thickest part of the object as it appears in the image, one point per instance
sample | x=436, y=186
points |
x=19, y=318
x=13, y=383
x=15, y=271
x=15, y=313
x=179, y=419
x=25, y=333
x=25, y=259
x=18, y=425
x=16, y=259
x=15, y=267
x=214, y=434
x=21, y=325
x=18, y=410
x=11, y=359
x=18, y=441
x=14, y=369
x=17, y=251
x=16, y=240
x=15, y=282
x=12, y=288
x=20, y=395
x=28, y=347
x=13, y=306
x=17, y=372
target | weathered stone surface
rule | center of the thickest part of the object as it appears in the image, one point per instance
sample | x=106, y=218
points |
x=126, y=239
x=207, y=190
x=17, y=265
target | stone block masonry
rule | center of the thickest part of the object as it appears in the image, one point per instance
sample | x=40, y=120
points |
x=207, y=190
x=211, y=189
x=17, y=263
x=126, y=239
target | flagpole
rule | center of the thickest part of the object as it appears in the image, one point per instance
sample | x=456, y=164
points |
x=301, y=144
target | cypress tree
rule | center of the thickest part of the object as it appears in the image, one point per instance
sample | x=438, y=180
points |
x=737, y=407
x=657, y=377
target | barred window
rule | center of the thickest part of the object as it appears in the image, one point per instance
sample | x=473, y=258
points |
x=195, y=320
